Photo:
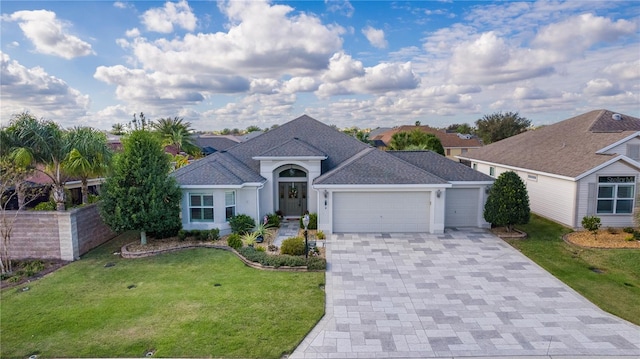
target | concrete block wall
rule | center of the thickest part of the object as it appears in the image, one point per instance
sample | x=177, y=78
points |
x=57, y=235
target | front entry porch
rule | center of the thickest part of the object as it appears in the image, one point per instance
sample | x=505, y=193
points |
x=292, y=198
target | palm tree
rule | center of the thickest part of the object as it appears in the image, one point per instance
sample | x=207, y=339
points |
x=117, y=129
x=18, y=159
x=176, y=132
x=89, y=156
x=45, y=143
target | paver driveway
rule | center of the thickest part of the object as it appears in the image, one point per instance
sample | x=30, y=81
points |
x=462, y=293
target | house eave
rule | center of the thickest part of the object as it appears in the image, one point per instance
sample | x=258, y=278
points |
x=471, y=183
x=554, y=175
x=289, y=158
x=362, y=187
x=228, y=186
x=626, y=159
x=618, y=143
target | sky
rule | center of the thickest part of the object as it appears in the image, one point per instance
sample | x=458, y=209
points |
x=235, y=64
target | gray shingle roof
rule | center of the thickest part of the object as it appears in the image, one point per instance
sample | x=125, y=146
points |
x=441, y=166
x=293, y=148
x=219, y=168
x=337, y=146
x=216, y=142
x=372, y=166
x=567, y=148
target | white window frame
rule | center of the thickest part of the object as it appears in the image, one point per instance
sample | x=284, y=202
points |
x=227, y=206
x=615, y=183
x=202, y=207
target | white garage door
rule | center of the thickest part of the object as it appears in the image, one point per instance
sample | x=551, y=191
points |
x=374, y=212
x=461, y=207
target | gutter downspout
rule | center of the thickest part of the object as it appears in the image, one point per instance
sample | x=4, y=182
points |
x=258, y=220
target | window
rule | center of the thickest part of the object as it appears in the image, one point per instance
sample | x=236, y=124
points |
x=229, y=204
x=532, y=178
x=464, y=150
x=448, y=152
x=201, y=207
x=492, y=171
x=475, y=166
x=615, y=194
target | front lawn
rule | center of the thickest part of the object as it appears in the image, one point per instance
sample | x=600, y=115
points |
x=192, y=303
x=610, y=278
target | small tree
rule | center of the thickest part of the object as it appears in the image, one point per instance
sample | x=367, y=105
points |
x=498, y=126
x=508, y=202
x=140, y=195
x=592, y=224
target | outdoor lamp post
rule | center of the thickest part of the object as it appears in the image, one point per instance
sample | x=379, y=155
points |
x=305, y=222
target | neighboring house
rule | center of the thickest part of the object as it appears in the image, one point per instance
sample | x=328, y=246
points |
x=586, y=165
x=307, y=165
x=454, y=144
x=212, y=143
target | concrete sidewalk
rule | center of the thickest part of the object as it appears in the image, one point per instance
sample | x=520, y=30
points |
x=460, y=294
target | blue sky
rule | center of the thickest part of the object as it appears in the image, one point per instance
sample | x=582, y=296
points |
x=232, y=64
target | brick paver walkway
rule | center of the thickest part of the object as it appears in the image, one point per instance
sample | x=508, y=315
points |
x=463, y=293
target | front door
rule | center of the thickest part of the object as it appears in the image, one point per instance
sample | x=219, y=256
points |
x=293, y=198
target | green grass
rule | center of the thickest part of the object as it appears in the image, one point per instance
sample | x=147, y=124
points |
x=176, y=308
x=616, y=290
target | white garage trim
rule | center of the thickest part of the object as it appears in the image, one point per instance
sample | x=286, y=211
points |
x=461, y=207
x=375, y=212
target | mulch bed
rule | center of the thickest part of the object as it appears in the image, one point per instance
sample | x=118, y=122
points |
x=603, y=239
x=50, y=265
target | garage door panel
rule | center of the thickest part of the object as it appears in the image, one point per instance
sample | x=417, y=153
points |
x=371, y=212
x=461, y=207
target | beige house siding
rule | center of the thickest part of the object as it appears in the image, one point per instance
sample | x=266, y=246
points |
x=551, y=197
x=608, y=220
x=623, y=148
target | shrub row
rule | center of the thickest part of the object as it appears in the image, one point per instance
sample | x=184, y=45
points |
x=200, y=235
x=256, y=256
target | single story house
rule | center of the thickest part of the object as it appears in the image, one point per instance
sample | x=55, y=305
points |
x=305, y=165
x=453, y=143
x=586, y=165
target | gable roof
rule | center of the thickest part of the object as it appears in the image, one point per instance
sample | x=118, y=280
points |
x=448, y=140
x=218, y=169
x=566, y=148
x=375, y=167
x=441, y=166
x=218, y=143
x=292, y=148
x=337, y=146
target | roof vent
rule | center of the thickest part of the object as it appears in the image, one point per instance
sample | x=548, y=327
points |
x=616, y=116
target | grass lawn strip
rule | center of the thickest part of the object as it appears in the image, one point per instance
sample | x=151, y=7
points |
x=610, y=278
x=193, y=303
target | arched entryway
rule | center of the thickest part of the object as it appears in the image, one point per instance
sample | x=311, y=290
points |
x=292, y=191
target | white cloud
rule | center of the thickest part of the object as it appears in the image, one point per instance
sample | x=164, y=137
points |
x=624, y=70
x=33, y=90
x=601, y=87
x=132, y=32
x=172, y=14
x=529, y=93
x=300, y=84
x=342, y=67
x=343, y=7
x=384, y=77
x=120, y=5
x=375, y=37
x=579, y=33
x=49, y=34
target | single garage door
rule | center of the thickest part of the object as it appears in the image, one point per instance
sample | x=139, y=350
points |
x=461, y=207
x=375, y=212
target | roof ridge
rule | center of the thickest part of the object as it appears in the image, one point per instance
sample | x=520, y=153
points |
x=421, y=169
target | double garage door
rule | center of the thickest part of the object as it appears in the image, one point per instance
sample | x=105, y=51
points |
x=375, y=212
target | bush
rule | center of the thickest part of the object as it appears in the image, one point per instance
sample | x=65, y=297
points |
x=636, y=235
x=182, y=234
x=293, y=246
x=630, y=238
x=313, y=221
x=629, y=230
x=316, y=263
x=508, y=202
x=45, y=206
x=251, y=254
x=320, y=235
x=93, y=198
x=612, y=230
x=241, y=223
x=234, y=241
x=32, y=267
x=213, y=234
x=257, y=256
x=273, y=220
x=261, y=249
x=273, y=248
x=591, y=223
